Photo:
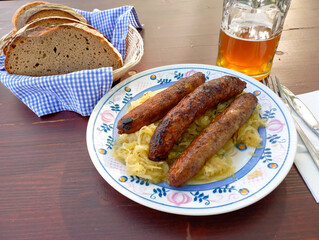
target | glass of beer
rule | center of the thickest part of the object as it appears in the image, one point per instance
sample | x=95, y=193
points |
x=249, y=35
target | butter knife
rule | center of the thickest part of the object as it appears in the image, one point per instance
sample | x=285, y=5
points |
x=302, y=110
x=311, y=148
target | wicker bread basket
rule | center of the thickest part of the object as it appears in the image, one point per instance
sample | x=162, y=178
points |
x=133, y=53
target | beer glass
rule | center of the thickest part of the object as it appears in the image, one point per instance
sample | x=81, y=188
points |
x=249, y=35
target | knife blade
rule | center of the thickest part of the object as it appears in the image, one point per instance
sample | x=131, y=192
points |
x=302, y=110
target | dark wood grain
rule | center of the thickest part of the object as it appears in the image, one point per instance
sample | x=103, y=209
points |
x=49, y=189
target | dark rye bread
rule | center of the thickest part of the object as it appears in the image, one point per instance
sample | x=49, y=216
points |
x=37, y=11
x=45, y=22
x=62, y=49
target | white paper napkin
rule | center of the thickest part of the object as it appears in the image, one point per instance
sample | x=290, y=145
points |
x=303, y=160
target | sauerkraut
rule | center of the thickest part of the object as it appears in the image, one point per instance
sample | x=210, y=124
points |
x=132, y=149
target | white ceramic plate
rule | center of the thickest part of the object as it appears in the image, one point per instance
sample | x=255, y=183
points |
x=256, y=174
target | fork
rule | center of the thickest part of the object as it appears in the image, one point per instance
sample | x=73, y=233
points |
x=311, y=148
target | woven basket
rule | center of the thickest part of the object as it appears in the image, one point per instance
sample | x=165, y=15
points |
x=134, y=50
x=133, y=54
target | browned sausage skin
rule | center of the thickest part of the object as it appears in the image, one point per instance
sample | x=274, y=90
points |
x=211, y=139
x=195, y=104
x=156, y=107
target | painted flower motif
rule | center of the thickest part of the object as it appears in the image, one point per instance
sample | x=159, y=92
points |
x=178, y=198
x=272, y=165
x=275, y=126
x=232, y=152
x=200, y=197
x=107, y=116
x=269, y=114
x=265, y=102
x=273, y=139
x=241, y=147
x=254, y=174
x=257, y=93
x=102, y=151
x=190, y=73
x=178, y=75
x=243, y=191
x=159, y=192
x=267, y=157
x=123, y=179
x=127, y=89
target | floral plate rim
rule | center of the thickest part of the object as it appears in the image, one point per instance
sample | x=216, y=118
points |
x=205, y=210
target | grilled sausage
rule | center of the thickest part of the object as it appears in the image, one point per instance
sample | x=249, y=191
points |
x=156, y=107
x=179, y=118
x=211, y=139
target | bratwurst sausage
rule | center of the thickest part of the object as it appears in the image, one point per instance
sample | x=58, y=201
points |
x=211, y=139
x=156, y=107
x=195, y=104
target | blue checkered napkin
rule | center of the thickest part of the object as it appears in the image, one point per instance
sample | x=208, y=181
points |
x=78, y=91
x=113, y=23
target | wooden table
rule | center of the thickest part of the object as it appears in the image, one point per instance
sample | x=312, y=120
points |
x=49, y=188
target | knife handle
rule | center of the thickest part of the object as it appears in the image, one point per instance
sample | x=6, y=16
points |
x=311, y=148
x=302, y=110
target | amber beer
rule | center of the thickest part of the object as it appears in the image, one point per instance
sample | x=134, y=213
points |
x=249, y=35
x=250, y=51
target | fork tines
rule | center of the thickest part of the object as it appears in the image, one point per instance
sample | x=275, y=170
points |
x=274, y=86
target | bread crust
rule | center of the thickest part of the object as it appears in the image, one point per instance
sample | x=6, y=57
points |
x=46, y=22
x=43, y=31
x=23, y=8
x=25, y=15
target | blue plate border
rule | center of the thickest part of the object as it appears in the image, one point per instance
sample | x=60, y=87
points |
x=197, y=67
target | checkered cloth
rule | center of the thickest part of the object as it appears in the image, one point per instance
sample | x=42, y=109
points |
x=78, y=91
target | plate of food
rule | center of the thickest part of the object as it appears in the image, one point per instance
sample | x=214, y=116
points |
x=192, y=139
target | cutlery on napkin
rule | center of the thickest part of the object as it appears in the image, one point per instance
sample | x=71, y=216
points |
x=302, y=110
x=303, y=161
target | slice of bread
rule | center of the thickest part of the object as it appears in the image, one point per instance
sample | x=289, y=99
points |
x=5, y=40
x=66, y=48
x=51, y=21
x=45, y=10
x=22, y=9
x=45, y=22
